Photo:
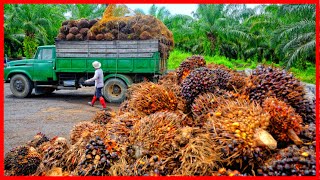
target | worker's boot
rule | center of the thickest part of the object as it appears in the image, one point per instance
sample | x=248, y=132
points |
x=103, y=103
x=94, y=99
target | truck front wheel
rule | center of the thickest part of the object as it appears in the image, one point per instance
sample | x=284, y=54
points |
x=21, y=86
x=115, y=90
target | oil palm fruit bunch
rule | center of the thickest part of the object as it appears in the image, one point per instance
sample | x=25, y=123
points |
x=103, y=117
x=150, y=98
x=236, y=82
x=128, y=118
x=53, y=151
x=99, y=156
x=285, y=124
x=147, y=166
x=188, y=65
x=196, y=155
x=291, y=161
x=154, y=135
x=239, y=128
x=202, y=80
x=22, y=161
x=273, y=82
x=83, y=129
x=206, y=103
x=38, y=139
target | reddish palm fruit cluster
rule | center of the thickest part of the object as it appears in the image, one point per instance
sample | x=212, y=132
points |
x=189, y=65
x=285, y=124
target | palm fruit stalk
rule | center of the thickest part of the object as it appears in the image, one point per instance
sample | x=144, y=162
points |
x=189, y=65
x=291, y=161
x=148, y=98
x=239, y=128
x=285, y=124
x=99, y=156
x=273, y=82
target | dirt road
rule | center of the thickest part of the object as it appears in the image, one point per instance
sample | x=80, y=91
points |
x=53, y=115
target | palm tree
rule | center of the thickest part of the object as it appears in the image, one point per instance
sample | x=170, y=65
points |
x=159, y=12
x=89, y=11
x=38, y=23
x=297, y=37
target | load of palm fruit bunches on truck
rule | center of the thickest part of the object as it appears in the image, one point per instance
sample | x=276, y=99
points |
x=199, y=120
x=109, y=28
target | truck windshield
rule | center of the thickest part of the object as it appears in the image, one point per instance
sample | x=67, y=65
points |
x=44, y=54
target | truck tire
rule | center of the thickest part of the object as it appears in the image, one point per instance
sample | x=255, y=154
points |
x=115, y=90
x=21, y=86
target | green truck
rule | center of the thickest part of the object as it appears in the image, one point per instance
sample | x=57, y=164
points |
x=67, y=64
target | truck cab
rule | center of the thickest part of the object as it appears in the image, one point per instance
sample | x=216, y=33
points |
x=24, y=74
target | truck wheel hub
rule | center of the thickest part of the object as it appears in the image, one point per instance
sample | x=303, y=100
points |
x=19, y=85
x=115, y=90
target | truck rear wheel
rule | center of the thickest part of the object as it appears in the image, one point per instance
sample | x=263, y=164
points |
x=115, y=90
x=21, y=86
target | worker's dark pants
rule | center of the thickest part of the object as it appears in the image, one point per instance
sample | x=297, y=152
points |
x=98, y=93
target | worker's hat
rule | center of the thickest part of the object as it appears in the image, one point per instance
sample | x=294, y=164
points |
x=96, y=64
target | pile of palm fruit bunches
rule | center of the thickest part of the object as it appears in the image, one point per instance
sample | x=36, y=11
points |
x=109, y=28
x=199, y=120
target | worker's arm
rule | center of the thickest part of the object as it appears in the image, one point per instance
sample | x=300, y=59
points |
x=95, y=77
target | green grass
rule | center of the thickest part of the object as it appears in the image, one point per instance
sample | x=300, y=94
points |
x=177, y=56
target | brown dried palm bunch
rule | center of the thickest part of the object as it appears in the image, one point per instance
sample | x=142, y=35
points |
x=168, y=79
x=21, y=161
x=291, y=161
x=189, y=65
x=100, y=155
x=154, y=135
x=103, y=117
x=52, y=153
x=150, y=98
x=124, y=107
x=285, y=124
x=237, y=81
x=196, y=156
x=38, y=139
x=274, y=82
x=206, y=103
x=83, y=129
x=238, y=127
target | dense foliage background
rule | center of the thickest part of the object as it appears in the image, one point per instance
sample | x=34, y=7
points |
x=234, y=35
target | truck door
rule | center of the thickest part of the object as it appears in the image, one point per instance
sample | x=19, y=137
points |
x=43, y=66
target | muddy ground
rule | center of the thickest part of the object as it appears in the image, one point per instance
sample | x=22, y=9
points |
x=53, y=115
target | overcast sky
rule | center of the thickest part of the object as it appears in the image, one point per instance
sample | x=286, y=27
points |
x=173, y=8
